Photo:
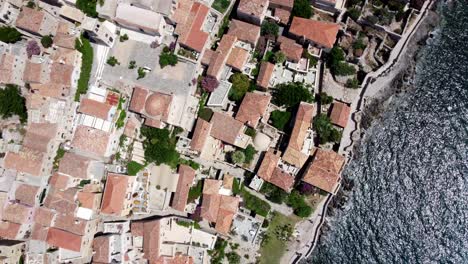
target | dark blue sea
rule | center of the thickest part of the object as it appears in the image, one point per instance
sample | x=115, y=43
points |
x=409, y=203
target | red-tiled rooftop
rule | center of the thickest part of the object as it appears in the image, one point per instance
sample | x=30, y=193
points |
x=64, y=239
x=220, y=56
x=95, y=108
x=253, y=108
x=43, y=216
x=59, y=181
x=151, y=240
x=283, y=15
x=30, y=19
x=9, y=230
x=186, y=176
x=324, y=171
x=7, y=62
x=211, y=186
x=89, y=200
x=65, y=40
x=155, y=105
x=210, y=207
x=201, y=133
x=265, y=74
x=282, y=179
x=101, y=249
x=322, y=33
x=246, y=32
x=237, y=58
x=268, y=165
x=34, y=72
x=114, y=193
x=225, y=128
x=16, y=213
x=253, y=8
x=26, y=194
x=190, y=33
x=61, y=73
x=54, y=90
x=26, y=161
x=70, y=223
x=284, y=4
x=303, y=122
x=61, y=201
x=74, y=165
x=340, y=114
x=290, y=48
x=91, y=140
x=38, y=136
x=137, y=104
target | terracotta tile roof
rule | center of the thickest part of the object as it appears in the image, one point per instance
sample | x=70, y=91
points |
x=137, y=104
x=200, y=134
x=265, y=74
x=59, y=181
x=90, y=140
x=101, y=249
x=246, y=32
x=177, y=259
x=324, y=171
x=210, y=207
x=115, y=193
x=95, y=108
x=131, y=127
x=284, y=4
x=30, y=19
x=53, y=90
x=38, y=136
x=61, y=201
x=283, y=15
x=224, y=221
x=61, y=73
x=252, y=108
x=237, y=58
x=220, y=56
x=268, y=165
x=211, y=186
x=293, y=154
x=65, y=40
x=190, y=33
x=321, y=33
x=26, y=194
x=35, y=72
x=136, y=228
x=26, y=161
x=228, y=181
x=39, y=232
x=64, y=27
x=255, y=8
x=186, y=176
x=9, y=230
x=153, y=123
x=225, y=128
x=89, y=200
x=182, y=11
x=207, y=56
x=7, y=62
x=290, y=48
x=74, y=165
x=64, y=239
x=229, y=203
x=17, y=213
x=65, y=56
x=70, y=223
x=43, y=216
x=340, y=114
x=158, y=105
x=282, y=179
x=151, y=240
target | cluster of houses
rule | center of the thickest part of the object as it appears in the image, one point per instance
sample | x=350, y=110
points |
x=62, y=197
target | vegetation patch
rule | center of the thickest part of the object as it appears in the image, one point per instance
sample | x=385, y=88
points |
x=337, y=64
x=12, y=103
x=84, y=46
x=269, y=28
x=88, y=7
x=134, y=167
x=121, y=120
x=221, y=5
x=195, y=192
x=291, y=94
x=240, y=86
x=159, y=145
x=254, y=203
x=325, y=130
x=112, y=61
x=58, y=157
x=302, y=8
x=47, y=41
x=9, y=34
x=167, y=57
x=190, y=163
x=279, y=119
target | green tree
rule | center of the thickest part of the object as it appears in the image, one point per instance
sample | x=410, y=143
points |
x=132, y=65
x=326, y=132
x=325, y=99
x=123, y=37
x=344, y=69
x=240, y=86
x=112, y=61
x=9, y=34
x=88, y=7
x=249, y=153
x=141, y=73
x=354, y=13
x=12, y=103
x=238, y=157
x=352, y=83
x=233, y=258
x=291, y=94
x=280, y=119
x=279, y=57
x=302, y=8
x=159, y=146
x=47, y=41
x=269, y=28
x=167, y=58
x=84, y=46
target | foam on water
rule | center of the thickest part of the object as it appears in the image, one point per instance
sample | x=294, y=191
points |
x=409, y=203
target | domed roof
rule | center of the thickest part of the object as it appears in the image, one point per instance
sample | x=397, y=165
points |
x=261, y=141
x=157, y=104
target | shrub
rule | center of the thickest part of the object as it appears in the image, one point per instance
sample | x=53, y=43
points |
x=279, y=57
x=280, y=119
x=249, y=153
x=12, y=103
x=344, y=69
x=209, y=83
x=302, y=8
x=233, y=258
x=220, y=5
x=273, y=193
x=326, y=132
x=269, y=28
x=159, y=146
x=134, y=167
x=269, y=55
x=167, y=58
x=88, y=7
x=238, y=157
x=84, y=46
x=47, y=41
x=195, y=192
x=359, y=44
x=240, y=86
x=190, y=163
x=290, y=94
x=352, y=83
x=123, y=37
x=112, y=61
x=325, y=98
x=132, y=65
x=31, y=4
x=141, y=73
x=297, y=202
x=33, y=48
x=250, y=132
x=354, y=13
x=121, y=120
x=9, y=34
x=255, y=204
x=336, y=64
x=205, y=114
